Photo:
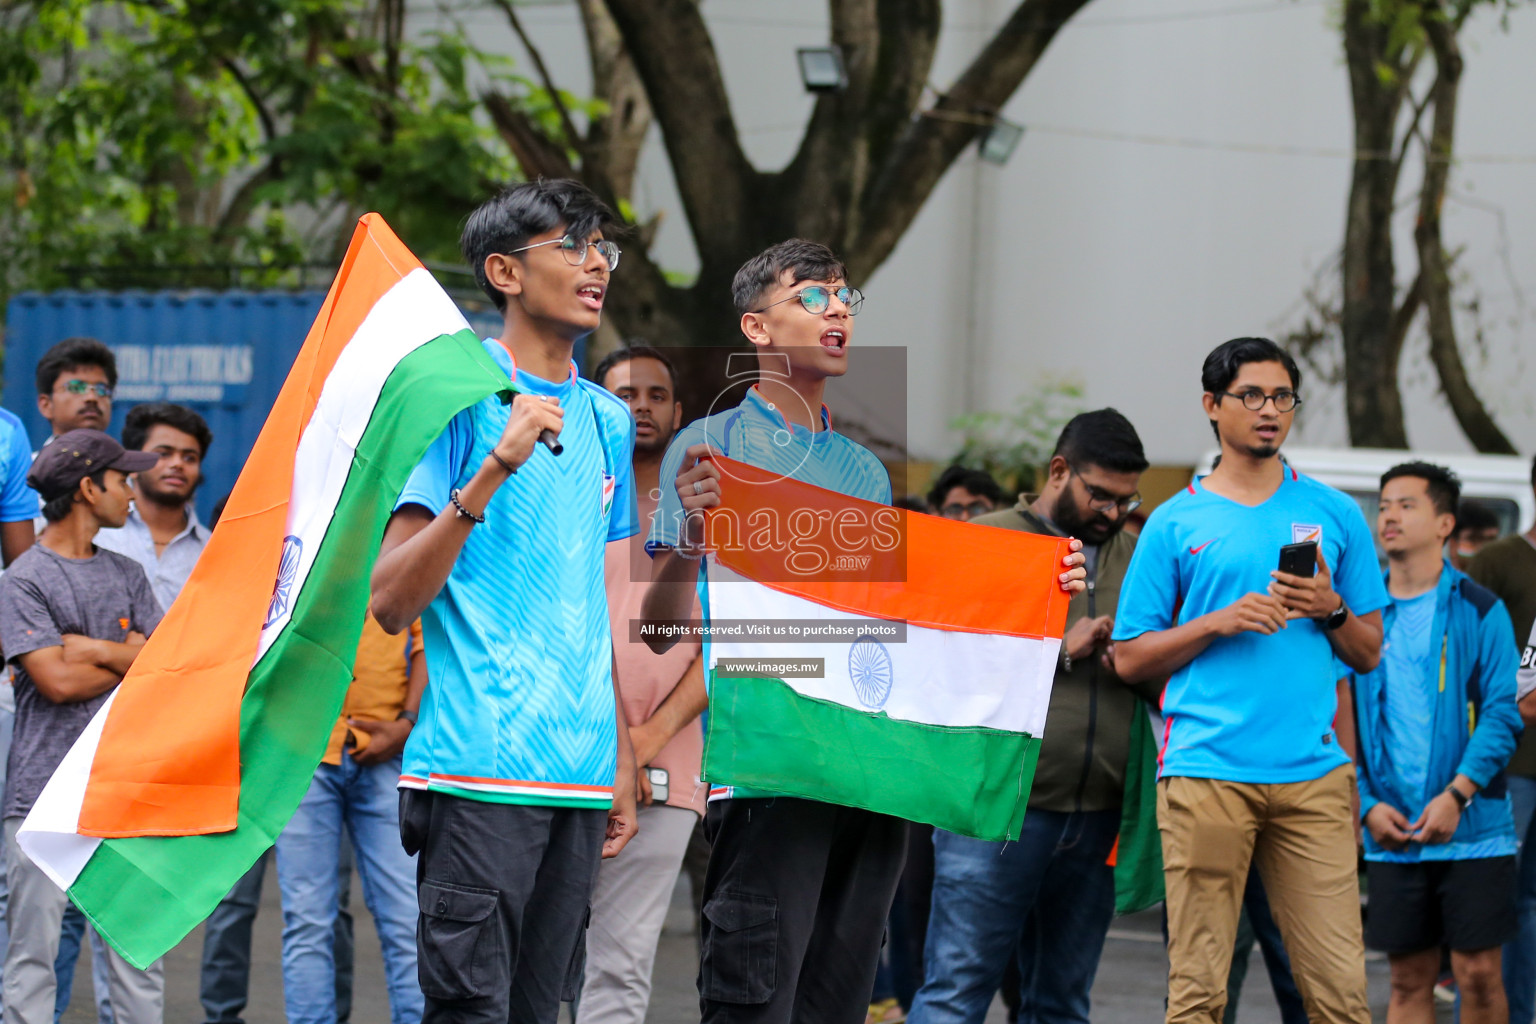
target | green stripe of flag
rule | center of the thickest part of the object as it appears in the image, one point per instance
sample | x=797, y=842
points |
x=145, y=894
x=765, y=736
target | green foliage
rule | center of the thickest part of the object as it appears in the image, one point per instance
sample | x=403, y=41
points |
x=204, y=133
x=1016, y=446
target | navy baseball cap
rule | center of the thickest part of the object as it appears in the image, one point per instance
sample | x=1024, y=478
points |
x=70, y=458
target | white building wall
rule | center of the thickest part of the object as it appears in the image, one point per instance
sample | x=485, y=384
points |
x=1118, y=262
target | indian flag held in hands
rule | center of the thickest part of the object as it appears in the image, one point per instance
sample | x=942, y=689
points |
x=864, y=656
x=202, y=754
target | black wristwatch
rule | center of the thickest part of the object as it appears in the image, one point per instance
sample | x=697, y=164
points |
x=1336, y=618
x=409, y=716
x=1461, y=798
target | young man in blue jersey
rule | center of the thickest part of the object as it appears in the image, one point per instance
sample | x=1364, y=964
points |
x=518, y=776
x=1251, y=770
x=797, y=891
x=1438, y=722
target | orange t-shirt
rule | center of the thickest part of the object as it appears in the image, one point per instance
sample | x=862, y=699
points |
x=380, y=678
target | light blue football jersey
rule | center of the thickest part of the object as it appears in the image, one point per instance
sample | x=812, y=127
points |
x=519, y=706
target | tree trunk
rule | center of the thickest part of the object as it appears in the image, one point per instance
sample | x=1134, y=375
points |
x=1470, y=412
x=868, y=161
x=1373, y=403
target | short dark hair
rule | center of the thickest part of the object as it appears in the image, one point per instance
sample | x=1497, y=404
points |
x=978, y=481
x=141, y=418
x=507, y=220
x=634, y=351
x=72, y=352
x=1227, y=360
x=1443, y=486
x=805, y=260
x=1472, y=514
x=58, y=508
x=1103, y=438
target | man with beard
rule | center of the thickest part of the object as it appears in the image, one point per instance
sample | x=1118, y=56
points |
x=162, y=532
x=663, y=696
x=1252, y=772
x=1055, y=882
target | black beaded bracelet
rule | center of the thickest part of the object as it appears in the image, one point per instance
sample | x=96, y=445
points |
x=453, y=496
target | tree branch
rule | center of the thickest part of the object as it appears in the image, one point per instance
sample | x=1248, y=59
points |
x=537, y=154
x=929, y=145
x=1412, y=132
x=888, y=46
x=1434, y=270
x=616, y=137
x=263, y=113
x=676, y=59
x=572, y=137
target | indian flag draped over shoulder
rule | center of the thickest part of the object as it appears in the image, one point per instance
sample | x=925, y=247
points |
x=200, y=757
x=919, y=689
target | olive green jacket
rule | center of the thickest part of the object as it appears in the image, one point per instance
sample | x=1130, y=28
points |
x=1089, y=724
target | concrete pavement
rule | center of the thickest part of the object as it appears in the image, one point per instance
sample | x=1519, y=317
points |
x=1129, y=989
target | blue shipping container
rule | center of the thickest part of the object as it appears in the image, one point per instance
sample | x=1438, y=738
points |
x=225, y=354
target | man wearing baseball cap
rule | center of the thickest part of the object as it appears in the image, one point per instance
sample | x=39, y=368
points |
x=72, y=619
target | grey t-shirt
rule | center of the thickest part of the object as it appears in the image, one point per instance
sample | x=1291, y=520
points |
x=44, y=595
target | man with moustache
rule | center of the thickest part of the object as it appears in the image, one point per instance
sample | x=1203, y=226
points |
x=1055, y=882
x=75, y=381
x=1252, y=772
x=798, y=891
x=663, y=696
x=162, y=532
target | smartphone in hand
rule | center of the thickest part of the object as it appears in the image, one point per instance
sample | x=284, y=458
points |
x=1299, y=559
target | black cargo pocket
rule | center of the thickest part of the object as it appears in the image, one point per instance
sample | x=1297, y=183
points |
x=576, y=967
x=739, y=962
x=459, y=937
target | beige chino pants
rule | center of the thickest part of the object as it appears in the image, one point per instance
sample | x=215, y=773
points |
x=1300, y=837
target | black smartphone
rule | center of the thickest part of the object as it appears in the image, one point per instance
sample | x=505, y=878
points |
x=1299, y=559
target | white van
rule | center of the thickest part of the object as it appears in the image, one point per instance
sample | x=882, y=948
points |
x=1500, y=482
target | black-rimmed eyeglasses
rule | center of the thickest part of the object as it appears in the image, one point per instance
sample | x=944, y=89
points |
x=1253, y=399
x=1101, y=500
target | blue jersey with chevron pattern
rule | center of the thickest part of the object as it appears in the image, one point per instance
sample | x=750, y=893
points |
x=519, y=706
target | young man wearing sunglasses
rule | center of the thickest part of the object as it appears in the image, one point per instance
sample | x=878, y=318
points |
x=797, y=891
x=1251, y=770
x=518, y=776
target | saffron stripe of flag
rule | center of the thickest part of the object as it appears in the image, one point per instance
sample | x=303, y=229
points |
x=245, y=676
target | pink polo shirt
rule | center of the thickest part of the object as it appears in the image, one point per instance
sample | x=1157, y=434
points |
x=645, y=678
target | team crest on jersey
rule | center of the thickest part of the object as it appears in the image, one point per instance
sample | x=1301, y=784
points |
x=1303, y=532
x=609, y=480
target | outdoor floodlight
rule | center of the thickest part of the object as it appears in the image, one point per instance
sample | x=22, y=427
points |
x=821, y=68
x=999, y=141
